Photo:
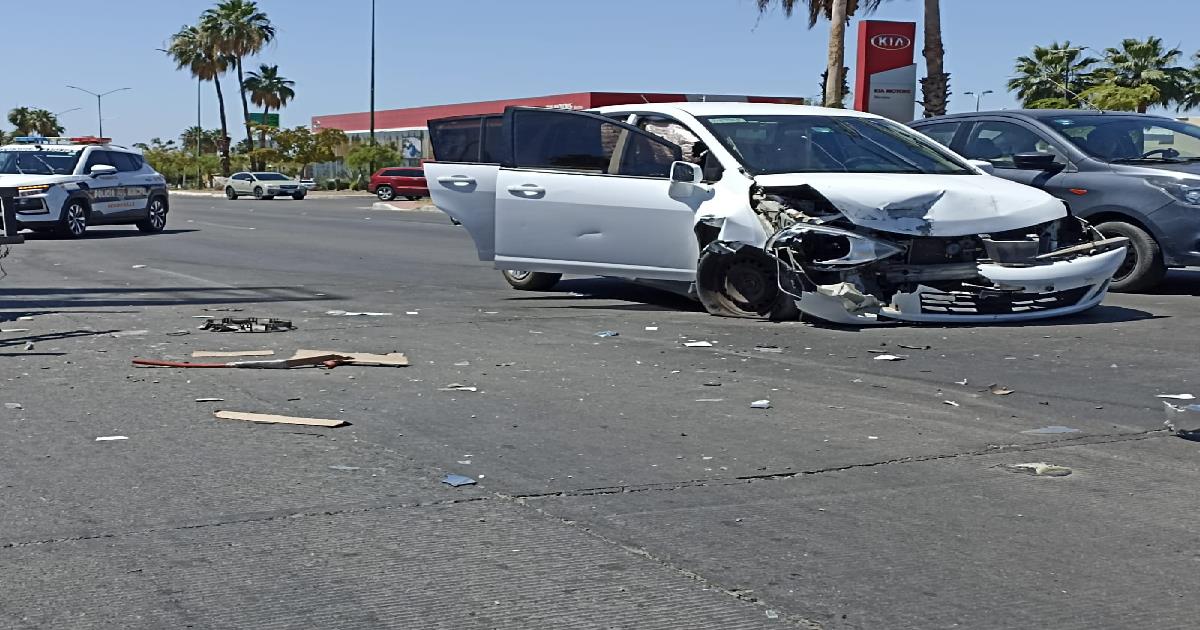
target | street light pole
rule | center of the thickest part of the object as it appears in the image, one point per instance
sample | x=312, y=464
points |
x=978, y=96
x=99, y=111
x=372, y=166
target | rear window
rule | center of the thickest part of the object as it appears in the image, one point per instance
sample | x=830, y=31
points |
x=412, y=172
x=125, y=162
x=472, y=139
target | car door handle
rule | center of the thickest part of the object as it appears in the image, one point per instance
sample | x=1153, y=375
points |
x=527, y=190
x=456, y=180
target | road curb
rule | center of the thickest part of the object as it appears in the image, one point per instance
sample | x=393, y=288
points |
x=383, y=205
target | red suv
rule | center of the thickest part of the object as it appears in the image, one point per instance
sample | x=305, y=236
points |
x=399, y=181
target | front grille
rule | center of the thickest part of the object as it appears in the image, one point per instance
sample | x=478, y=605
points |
x=992, y=302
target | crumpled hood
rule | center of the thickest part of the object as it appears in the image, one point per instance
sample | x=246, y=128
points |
x=928, y=205
x=9, y=180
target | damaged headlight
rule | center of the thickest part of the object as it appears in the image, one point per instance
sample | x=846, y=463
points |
x=1185, y=190
x=826, y=246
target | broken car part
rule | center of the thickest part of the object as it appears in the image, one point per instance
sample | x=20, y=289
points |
x=270, y=418
x=247, y=324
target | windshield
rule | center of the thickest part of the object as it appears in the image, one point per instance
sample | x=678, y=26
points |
x=1130, y=139
x=270, y=177
x=38, y=162
x=829, y=144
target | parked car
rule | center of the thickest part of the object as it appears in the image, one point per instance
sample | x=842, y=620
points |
x=308, y=183
x=763, y=210
x=263, y=186
x=65, y=185
x=399, y=181
x=1132, y=175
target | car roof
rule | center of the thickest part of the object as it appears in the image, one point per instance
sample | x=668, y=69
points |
x=733, y=108
x=1033, y=114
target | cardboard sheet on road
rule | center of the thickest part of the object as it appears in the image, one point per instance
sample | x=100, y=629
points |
x=270, y=418
x=392, y=359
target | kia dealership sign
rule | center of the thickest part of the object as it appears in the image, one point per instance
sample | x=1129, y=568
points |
x=886, y=78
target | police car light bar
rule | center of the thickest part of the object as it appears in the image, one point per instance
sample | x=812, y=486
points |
x=58, y=140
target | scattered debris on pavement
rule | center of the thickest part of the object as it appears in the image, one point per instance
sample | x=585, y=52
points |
x=129, y=333
x=890, y=357
x=1177, y=396
x=28, y=346
x=13, y=406
x=608, y=333
x=761, y=404
x=1050, y=430
x=999, y=390
x=391, y=359
x=651, y=328
x=951, y=403
x=1039, y=469
x=270, y=418
x=336, y=313
x=769, y=349
x=343, y=467
x=247, y=324
x=110, y=438
x=458, y=387
x=697, y=344
x=325, y=360
x=962, y=382
x=233, y=353
x=210, y=400
x=458, y=480
x=1183, y=421
x=138, y=267
x=908, y=347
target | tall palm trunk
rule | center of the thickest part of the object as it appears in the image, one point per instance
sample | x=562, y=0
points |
x=224, y=143
x=245, y=108
x=935, y=87
x=837, y=55
x=262, y=133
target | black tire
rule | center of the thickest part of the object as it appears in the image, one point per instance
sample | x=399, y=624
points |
x=298, y=196
x=230, y=193
x=258, y=193
x=156, y=216
x=531, y=280
x=411, y=197
x=742, y=283
x=1143, y=267
x=73, y=223
x=385, y=193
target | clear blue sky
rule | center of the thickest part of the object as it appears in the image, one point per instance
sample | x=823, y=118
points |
x=444, y=51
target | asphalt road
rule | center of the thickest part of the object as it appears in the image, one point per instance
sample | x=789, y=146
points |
x=623, y=482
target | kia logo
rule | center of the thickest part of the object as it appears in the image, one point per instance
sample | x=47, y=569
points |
x=891, y=42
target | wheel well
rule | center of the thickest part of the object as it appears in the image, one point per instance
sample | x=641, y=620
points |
x=1113, y=215
x=165, y=199
x=87, y=205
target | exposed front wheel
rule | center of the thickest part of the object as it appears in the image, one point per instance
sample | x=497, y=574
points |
x=742, y=283
x=531, y=280
x=385, y=193
x=74, y=219
x=156, y=216
x=1143, y=267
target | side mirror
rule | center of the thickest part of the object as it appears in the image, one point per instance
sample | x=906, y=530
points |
x=686, y=172
x=101, y=170
x=1036, y=162
x=983, y=165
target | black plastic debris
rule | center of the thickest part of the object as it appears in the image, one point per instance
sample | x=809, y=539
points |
x=247, y=324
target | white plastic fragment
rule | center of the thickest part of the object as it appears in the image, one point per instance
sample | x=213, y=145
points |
x=651, y=328
x=890, y=357
x=1177, y=396
x=761, y=404
x=951, y=403
x=697, y=344
x=1040, y=469
x=110, y=438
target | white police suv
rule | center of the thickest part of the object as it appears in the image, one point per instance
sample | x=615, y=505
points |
x=66, y=184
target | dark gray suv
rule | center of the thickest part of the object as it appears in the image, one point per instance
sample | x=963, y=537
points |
x=1132, y=175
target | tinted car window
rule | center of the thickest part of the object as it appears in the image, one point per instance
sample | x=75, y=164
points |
x=455, y=139
x=393, y=172
x=575, y=142
x=411, y=172
x=1130, y=138
x=997, y=142
x=943, y=133
x=124, y=162
x=490, y=144
x=97, y=157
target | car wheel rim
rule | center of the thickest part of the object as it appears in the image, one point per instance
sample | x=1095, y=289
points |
x=158, y=215
x=748, y=285
x=385, y=193
x=1127, y=266
x=76, y=220
x=519, y=275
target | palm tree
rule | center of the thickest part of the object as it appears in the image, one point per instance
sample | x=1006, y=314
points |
x=1139, y=74
x=31, y=121
x=194, y=48
x=240, y=30
x=1053, y=76
x=269, y=91
x=838, y=12
x=935, y=87
x=1191, y=98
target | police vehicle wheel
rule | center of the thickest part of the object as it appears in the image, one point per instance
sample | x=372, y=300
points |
x=74, y=219
x=156, y=216
x=385, y=193
x=230, y=193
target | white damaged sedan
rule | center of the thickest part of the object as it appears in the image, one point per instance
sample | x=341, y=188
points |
x=763, y=210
